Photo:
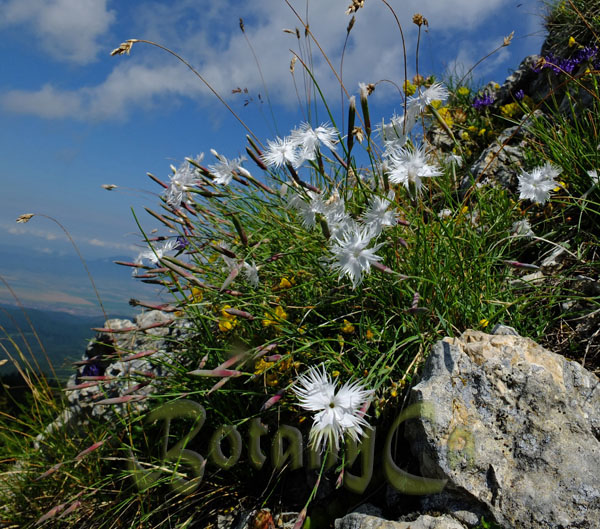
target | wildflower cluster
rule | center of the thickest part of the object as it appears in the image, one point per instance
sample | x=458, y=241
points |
x=481, y=102
x=567, y=65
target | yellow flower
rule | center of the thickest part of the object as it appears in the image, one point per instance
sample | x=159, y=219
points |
x=369, y=334
x=280, y=313
x=409, y=88
x=227, y=321
x=261, y=366
x=496, y=86
x=472, y=128
x=279, y=316
x=484, y=322
x=481, y=132
x=509, y=110
x=285, y=283
x=196, y=295
x=335, y=374
x=225, y=325
x=394, y=392
x=572, y=42
x=271, y=379
x=347, y=328
x=465, y=135
x=560, y=184
x=446, y=115
x=463, y=91
x=436, y=103
x=464, y=209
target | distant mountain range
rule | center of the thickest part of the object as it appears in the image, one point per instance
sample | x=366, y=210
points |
x=55, y=282
x=63, y=336
x=62, y=305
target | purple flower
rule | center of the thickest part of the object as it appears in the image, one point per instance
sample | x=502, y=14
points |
x=519, y=94
x=483, y=101
x=585, y=54
x=92, y=370
x=560, y=65
x=181, y=244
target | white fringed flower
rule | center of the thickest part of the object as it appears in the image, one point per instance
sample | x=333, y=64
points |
x=395, y=133
x=436, y=92
x=155, y=252
x=537, y=184
x=182, y=179
x=522, y=228
x=377, y=215
x=307, y=209
x=309, y=140
x=251, y=272
x=351, y=257
x=338, y=414
x=409, y=166
x=281, y=152
x=224, y=169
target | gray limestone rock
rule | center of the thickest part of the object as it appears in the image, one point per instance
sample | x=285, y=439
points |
x=364, y=521
x=515, y=430
x=500, y=163
x=153, y=332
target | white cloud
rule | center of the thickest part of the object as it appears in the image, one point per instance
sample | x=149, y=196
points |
x=24, y=230
x=67, y=29
x=48, y=102
x=113, y=245
x=209, y=37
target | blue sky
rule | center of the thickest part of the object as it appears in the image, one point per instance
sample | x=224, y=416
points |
x=75, y=118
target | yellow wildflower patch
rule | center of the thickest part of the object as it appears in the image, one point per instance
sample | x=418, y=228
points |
x=463, y=91
x=572, y=42
x=196, y=295
x=226, y=325
x=227, y=321
x=446, y=115
x=369, y=334
x=279, y=316
x=262, y=365
x=285, y=283
x=465, y=135
x=409, y=88
x=558, y=187
x=483, y=322
x=509, y=110
x=347, y=327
